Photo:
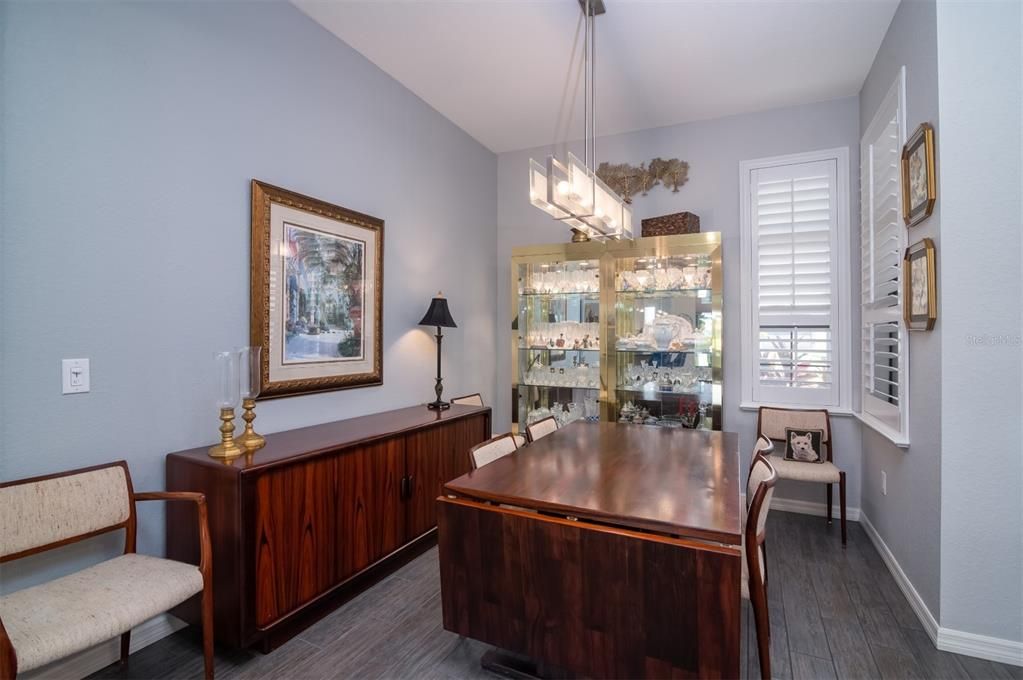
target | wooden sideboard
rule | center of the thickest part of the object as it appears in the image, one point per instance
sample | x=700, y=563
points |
x=317, y=515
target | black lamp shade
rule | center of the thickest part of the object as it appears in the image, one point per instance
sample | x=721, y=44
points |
x=438, y=314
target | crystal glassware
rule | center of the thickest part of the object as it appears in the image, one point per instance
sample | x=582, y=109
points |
x=226, y=368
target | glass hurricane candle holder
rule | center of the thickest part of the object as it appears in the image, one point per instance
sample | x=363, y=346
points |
x=250, y=387
x=226, y=364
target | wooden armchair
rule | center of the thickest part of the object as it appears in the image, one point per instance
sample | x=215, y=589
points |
x=771, y=424
x=759, y=489
x=52, y=620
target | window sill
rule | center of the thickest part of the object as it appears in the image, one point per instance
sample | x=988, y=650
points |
x=832, y=410
x=895, y=437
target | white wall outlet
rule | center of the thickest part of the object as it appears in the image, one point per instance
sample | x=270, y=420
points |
x=884, y=483
x=75, y=375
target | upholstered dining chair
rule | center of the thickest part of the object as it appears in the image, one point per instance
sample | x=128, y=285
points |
x=759, y=489
x=771, y=424
x=492, y=449
x=477, y=400
x=541, y=428
x=469, y=400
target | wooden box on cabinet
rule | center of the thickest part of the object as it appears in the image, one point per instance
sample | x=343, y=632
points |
x=318, y=515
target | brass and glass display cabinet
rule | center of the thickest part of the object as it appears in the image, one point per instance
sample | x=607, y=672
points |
x=626, y=331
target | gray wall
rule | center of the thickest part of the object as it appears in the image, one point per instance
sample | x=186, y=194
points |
x=131, y=133
x=909, y=517
x=981, y=175
x=713, y=149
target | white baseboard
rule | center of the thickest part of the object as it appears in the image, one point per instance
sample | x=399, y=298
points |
x=814, y=508
x=90, y=660
x=982, y=646
x=920, y=608
x=809, y=508
x=945, y=639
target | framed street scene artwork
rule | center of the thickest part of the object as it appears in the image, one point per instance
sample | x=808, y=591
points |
x=316, y=303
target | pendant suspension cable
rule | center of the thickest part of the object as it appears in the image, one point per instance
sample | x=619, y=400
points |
x=586, y=88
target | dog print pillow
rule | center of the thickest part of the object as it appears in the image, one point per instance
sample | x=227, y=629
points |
x=804, y=445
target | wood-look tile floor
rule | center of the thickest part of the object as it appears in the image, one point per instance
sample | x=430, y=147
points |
x=834, y=614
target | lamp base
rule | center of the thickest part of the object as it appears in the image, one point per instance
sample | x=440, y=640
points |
x=438, y=405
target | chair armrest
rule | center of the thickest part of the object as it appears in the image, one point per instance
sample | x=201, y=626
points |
x=205, y=548
x=170, y=496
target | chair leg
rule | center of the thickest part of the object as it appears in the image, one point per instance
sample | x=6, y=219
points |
x=829, y=504
x=125, y=647
x=758, y=598
x=841, y=498
x=207, y=630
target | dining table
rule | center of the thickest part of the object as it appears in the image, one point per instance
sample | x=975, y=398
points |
x=602, y=550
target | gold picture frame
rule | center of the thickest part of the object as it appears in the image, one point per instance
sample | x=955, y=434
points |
x=317, y=290
x=919, y=184
x=919, y=295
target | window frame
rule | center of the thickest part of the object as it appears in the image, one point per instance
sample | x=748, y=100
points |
x=895, y=97
x=841, y=338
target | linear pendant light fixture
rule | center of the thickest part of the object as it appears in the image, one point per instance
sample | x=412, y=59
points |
x=571, y=192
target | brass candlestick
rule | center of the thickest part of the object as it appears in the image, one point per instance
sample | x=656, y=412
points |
x=228, y=447
x=250, y=441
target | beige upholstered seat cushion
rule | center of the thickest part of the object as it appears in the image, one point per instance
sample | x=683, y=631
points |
x=826, y=472
x=52, y=620
x=520, y=440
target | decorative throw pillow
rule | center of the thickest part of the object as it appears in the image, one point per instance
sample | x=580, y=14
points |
x=804, y=445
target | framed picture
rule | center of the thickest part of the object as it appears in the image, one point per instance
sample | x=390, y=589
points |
x=919, y=185
x=919, y=297
x=317, y=293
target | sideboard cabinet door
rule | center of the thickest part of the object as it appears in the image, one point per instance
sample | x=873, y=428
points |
x=319, y=522
x=434, y=457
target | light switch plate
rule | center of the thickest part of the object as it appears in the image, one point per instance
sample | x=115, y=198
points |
x=75, y=375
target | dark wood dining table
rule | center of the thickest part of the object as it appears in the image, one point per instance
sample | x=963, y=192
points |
x=602, y=550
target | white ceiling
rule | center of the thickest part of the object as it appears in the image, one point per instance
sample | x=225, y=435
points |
x=500, y=69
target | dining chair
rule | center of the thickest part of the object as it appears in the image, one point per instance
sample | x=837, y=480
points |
x=469, y=400
x=492, y=449
x=541, y=428
x=771, y=424
x=477, y=400
x=759, y=489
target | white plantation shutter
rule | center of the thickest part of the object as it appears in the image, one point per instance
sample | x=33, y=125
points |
x=793, y=235
x=882, y=233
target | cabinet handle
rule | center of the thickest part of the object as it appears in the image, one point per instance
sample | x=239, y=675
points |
x=410, y=486
x=403, y=490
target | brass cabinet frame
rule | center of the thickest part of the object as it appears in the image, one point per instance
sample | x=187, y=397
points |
x=707, y=244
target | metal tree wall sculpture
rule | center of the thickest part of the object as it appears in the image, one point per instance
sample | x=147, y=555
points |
x=628, y=180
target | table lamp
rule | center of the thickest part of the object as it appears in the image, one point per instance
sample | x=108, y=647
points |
x=439, y=316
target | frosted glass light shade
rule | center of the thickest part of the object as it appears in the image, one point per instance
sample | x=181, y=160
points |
x=538, y=191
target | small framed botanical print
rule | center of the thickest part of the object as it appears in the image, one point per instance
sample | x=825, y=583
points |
x=919, y=185
x=919, y=297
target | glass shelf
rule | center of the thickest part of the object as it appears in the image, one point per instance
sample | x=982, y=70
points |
x=650, y=394
x=698, y=292
x=640, y=350
x=560, y=387
x=586, y=295
x=560, y=349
